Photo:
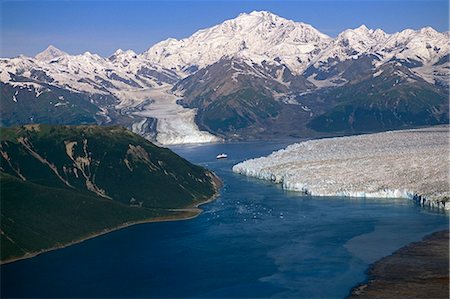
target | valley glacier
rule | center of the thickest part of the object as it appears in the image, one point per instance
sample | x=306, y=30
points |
x=175, y=124
x=396, y=164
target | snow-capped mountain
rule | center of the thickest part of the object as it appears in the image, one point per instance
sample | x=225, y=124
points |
x=423, y=45
x=244, y=77
x=352, y=43
x=425, y=51
x=50, y=53
x=420, y=50
x=256, y=36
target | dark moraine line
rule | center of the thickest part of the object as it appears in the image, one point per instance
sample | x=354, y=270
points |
x=418, y=270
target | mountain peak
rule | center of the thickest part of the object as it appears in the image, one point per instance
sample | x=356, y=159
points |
x=89, y=54
x=122, y=56
x=262, y=13
x=267, y=16
x=362, y=28
x=50, y=53
x=258, y=36
x=258, y=17
x=363, y=33
x=429, y=31
x=118, y=52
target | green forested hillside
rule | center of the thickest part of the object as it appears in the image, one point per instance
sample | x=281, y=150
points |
x=64, y=183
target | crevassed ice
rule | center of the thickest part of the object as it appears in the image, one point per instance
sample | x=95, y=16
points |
x=175, y=124
x=397, y=164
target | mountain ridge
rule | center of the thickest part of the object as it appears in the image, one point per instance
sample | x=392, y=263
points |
x=281, y=59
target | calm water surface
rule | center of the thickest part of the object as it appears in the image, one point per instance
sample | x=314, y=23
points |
x=255, y=240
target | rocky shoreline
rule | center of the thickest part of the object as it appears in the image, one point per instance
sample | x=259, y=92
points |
x=418, y=270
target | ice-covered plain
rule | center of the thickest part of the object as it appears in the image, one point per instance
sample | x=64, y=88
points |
x=396, y=164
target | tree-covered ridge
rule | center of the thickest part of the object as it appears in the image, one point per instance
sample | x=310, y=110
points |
x=62, y=183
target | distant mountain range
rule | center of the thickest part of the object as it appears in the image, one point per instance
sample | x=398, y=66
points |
x=256, y=76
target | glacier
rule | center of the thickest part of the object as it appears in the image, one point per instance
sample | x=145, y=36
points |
x=175, y=124
x=411, y=164
x=140, y=96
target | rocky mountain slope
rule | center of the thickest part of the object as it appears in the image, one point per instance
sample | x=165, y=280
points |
x=65, y=183
x=256, y=76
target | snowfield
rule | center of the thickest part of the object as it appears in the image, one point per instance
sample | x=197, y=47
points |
x=410, y=164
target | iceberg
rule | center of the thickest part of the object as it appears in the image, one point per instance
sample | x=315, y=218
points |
x=396, y=164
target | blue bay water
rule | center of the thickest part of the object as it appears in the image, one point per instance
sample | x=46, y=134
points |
x=255, y=240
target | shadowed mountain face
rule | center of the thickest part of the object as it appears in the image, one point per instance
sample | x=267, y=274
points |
x=86, y=179
x=392, y=98
x=256, y=76
x=235, y=100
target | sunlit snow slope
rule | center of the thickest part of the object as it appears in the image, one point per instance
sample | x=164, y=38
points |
x=397, y=164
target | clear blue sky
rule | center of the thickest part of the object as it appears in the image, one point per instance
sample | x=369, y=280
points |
x=28, y=27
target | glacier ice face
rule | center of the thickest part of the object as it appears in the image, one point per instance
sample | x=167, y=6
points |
x=397, y=164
